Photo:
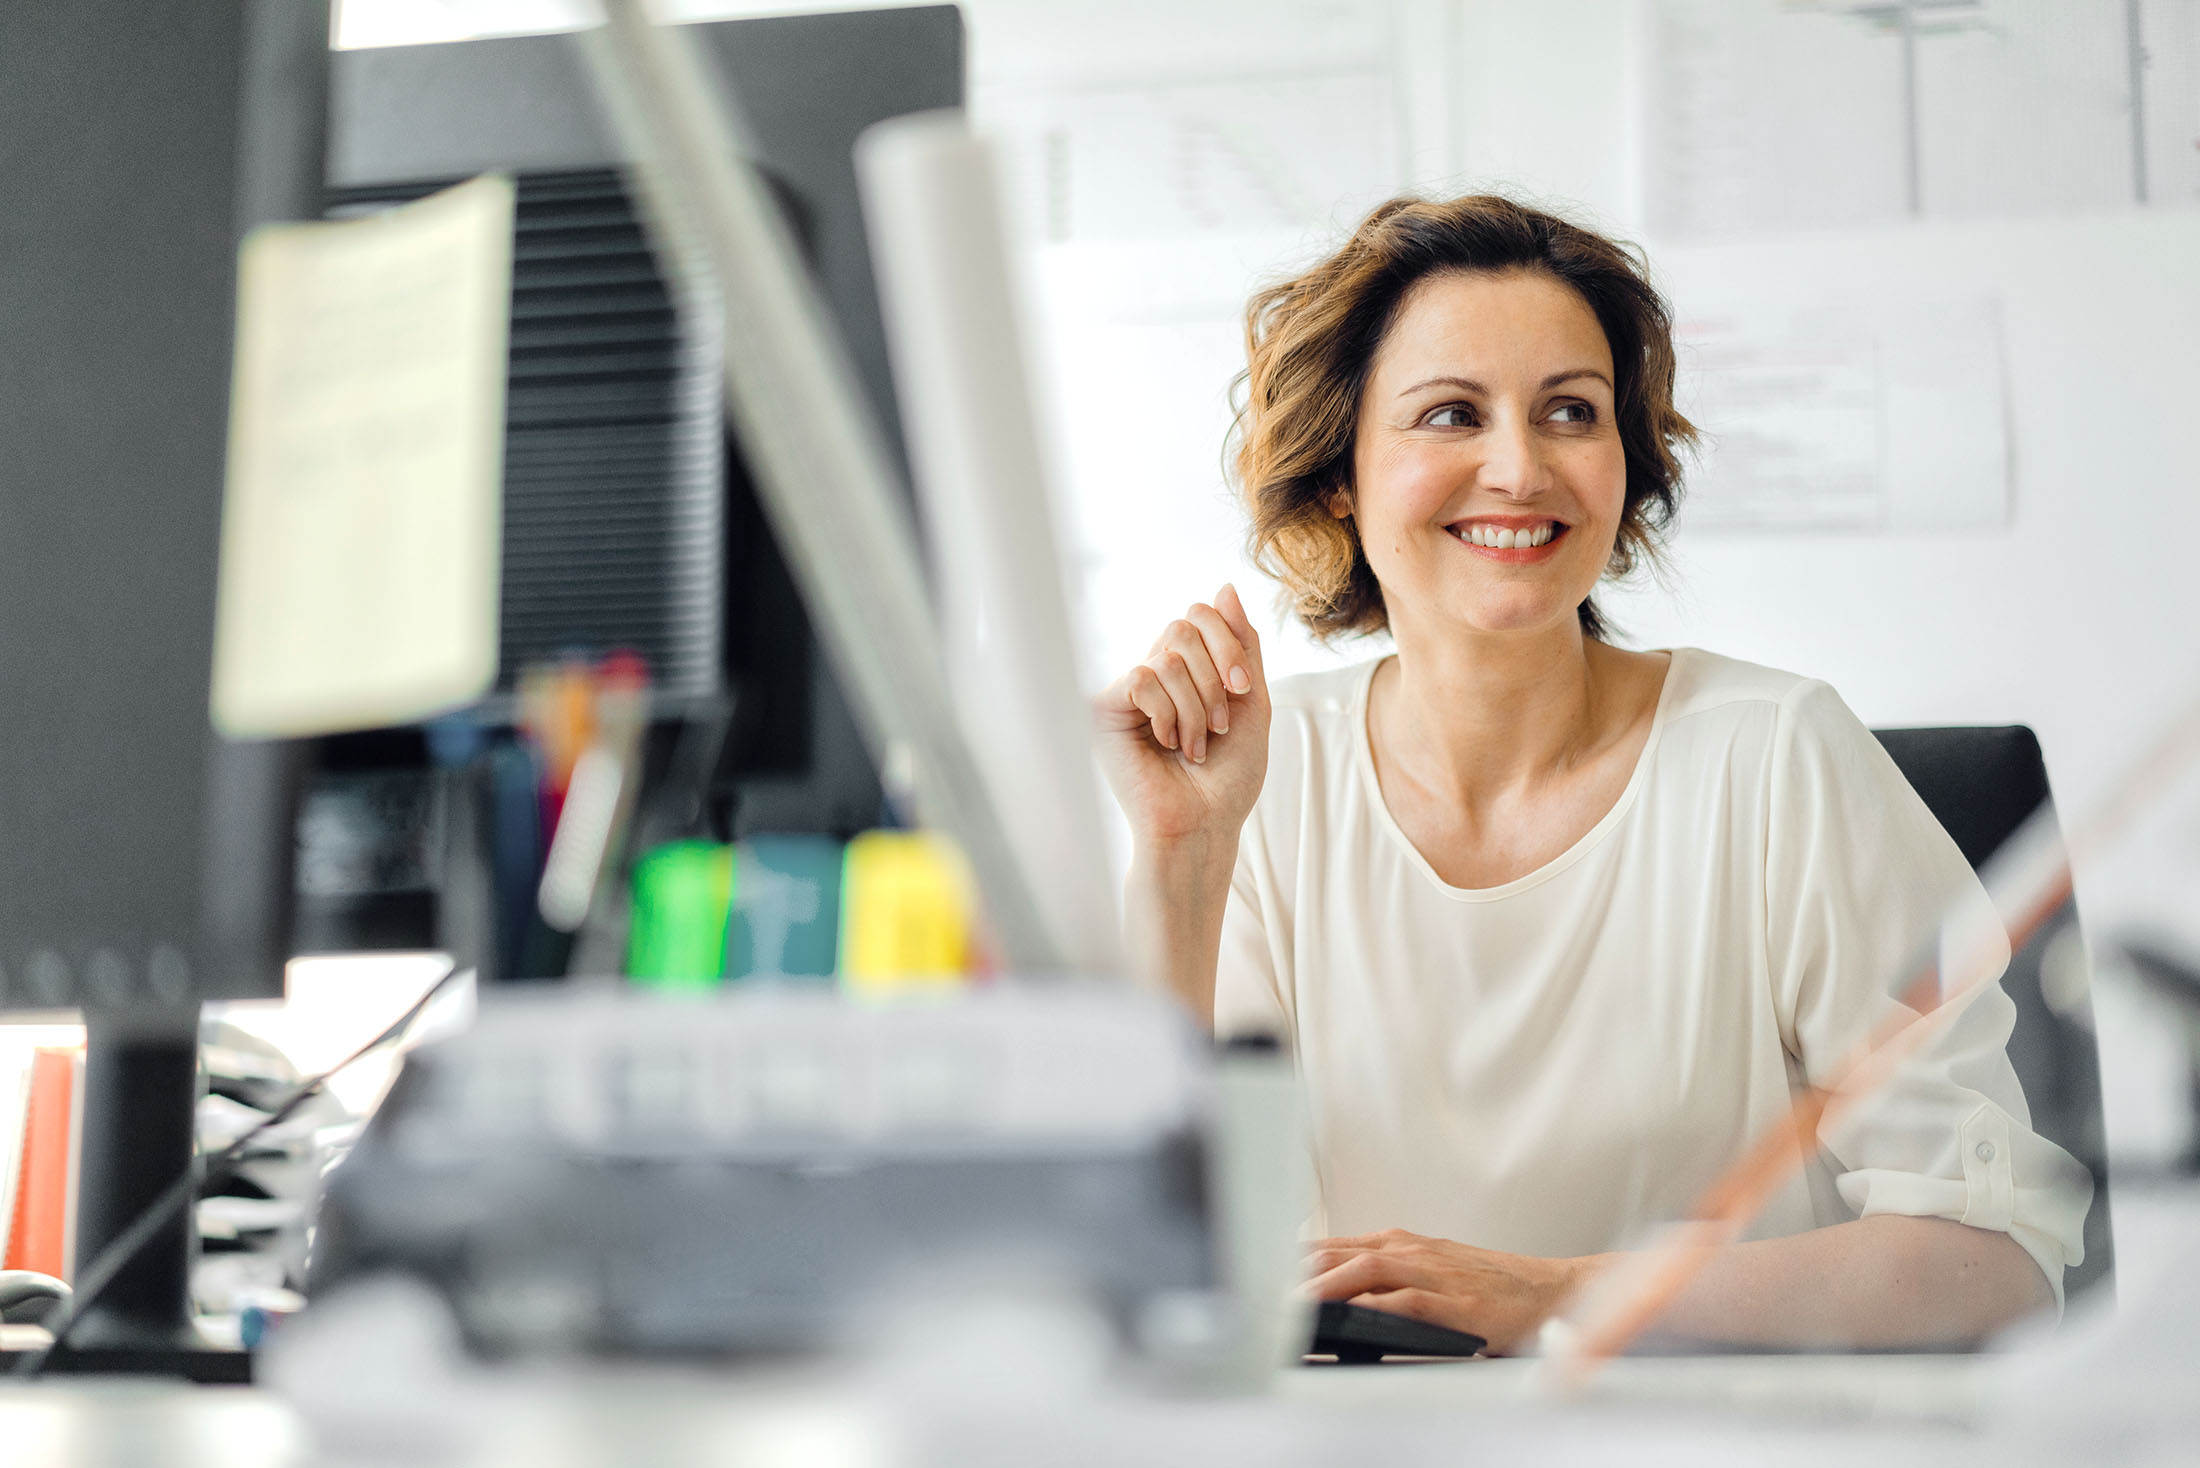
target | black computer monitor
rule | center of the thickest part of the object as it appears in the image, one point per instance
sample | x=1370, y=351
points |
x=628, y=516
x=144, y=862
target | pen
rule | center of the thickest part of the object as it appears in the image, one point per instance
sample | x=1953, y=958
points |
x=599, y=796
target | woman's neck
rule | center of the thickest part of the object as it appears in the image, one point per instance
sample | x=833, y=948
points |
x=1472, y=717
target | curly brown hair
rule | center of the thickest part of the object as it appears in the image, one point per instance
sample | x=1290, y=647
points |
x=1310, y=341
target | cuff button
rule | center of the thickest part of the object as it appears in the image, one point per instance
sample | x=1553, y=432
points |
x=1984, y=1151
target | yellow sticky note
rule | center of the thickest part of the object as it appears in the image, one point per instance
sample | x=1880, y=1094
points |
x=360, y=527
x=907, y=912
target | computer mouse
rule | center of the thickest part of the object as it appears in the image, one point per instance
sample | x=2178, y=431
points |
x=1360, y=1335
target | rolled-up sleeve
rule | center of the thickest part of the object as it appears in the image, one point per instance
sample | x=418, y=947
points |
x=1863, y=887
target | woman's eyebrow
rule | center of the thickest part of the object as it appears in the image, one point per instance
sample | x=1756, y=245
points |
x=1468, y=384
x=1464, y=384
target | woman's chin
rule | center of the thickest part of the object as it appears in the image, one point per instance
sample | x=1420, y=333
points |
x=1507, y=616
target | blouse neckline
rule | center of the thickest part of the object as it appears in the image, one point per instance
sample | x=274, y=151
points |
x=1364, y=757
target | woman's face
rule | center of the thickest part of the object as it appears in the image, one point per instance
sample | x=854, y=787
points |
x=1488, y=473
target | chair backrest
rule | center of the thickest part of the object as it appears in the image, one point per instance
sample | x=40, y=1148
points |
x=1982, y=784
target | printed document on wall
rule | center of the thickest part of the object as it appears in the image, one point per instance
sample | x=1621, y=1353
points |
x=1886, y=415
x=1762, y=116
x=359, y=558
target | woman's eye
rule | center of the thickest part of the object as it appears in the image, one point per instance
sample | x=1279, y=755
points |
x=1451, y=415
x=1574, y=413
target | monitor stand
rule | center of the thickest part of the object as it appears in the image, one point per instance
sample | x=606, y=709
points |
x=141, y=1092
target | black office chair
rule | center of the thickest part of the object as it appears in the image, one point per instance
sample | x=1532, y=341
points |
x=1982, y=784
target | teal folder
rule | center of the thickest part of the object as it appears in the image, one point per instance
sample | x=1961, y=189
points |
x=786, y=907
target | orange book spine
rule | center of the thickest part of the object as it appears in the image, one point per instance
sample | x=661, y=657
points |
x=39, y=1238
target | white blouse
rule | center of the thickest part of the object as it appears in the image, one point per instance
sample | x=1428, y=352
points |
x=1556, y=1065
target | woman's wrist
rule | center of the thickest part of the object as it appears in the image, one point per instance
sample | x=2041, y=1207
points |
x=1575, y=1275
x=1194, y=859
x=1173, y=910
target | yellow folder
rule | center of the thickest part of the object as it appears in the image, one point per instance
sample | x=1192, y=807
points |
x=908, y=913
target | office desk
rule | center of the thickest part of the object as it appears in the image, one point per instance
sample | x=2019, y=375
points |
x=1706, y=1410
x=1884, y=1411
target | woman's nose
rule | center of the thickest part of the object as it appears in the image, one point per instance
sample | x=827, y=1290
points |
x=1512, y=460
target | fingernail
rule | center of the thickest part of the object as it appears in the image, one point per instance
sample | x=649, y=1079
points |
x=1199, y=753
x=1221, y=720
x=1169, y=742
x=1240, y=681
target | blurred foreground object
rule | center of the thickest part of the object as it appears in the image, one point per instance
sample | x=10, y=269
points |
x=360, y=530
x=945, y=279
x=1983, y=785
x=145, y=861
x=765, y=1170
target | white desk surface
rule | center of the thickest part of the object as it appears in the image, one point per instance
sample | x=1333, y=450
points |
x=1890, y=1410
x=1884, y=1411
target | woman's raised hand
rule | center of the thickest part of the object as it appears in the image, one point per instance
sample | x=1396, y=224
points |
x=1183, y=736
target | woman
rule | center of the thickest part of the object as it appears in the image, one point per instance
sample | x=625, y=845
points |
x=1553, y=928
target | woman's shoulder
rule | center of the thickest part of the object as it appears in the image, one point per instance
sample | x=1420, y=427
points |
x=1703, y=686
x=1703, y=681
x=1318, y=714
x=1314, y=737
x=1326, y=693
x=1791, y=721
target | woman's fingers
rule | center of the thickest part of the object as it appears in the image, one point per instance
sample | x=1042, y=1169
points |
x=1367, y=1273
x=1417, y=1303
x=1190, y=641
x=1183, y=690
x=1241, y=627
x=1190, y=703
x=1151, y=697
x=1387, y=1237
x=1233, y=667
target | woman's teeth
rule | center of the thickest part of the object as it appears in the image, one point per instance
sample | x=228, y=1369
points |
x=1499, y=539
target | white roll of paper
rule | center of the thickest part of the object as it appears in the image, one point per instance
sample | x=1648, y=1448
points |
x=938, y=247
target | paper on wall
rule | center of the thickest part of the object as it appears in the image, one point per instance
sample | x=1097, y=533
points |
x=1175, y=159
x=359, y=557
x=1881, y=415
x=2169, y=82
x=1764, y=116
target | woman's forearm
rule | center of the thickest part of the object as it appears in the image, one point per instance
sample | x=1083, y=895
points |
x=1173, y=903
x=1880, y=1282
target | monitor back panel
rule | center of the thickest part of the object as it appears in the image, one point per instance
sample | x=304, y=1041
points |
x=142, y=860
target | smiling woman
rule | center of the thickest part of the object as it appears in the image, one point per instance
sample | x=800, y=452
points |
x=1552, y=927
x=1313, y=340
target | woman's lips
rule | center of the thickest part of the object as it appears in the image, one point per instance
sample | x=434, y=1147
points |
x=1512, y=555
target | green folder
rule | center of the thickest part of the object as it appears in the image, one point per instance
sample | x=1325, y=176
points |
x=682, y=893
